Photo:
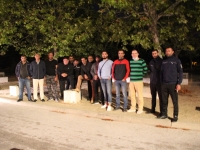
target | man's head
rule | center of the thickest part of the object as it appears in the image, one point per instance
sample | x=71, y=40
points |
x=50, y=55
x=90, y=58
x=121, y=54
x=83, y=60
x=104, y=54
x=76, y=62
x=97, y=58
x=65, y=60
x=23, y=58
x=134, y=53
x=154, y=53
x=71, y=59
x=169, y=51
x=37, y=57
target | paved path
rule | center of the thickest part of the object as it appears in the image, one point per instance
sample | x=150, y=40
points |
x=50, y=126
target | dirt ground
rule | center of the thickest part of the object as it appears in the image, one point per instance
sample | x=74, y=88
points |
x=189, y=100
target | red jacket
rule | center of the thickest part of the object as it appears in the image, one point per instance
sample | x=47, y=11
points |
x=120, y=69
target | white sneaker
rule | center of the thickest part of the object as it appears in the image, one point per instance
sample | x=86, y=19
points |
x=109, y=108
x=104, y=106
x=131, y=110
x=56, y=100
x=139, y=112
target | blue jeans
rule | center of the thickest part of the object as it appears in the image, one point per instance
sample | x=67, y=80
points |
x=121, y=84
x=25, y=82
x=107, y=90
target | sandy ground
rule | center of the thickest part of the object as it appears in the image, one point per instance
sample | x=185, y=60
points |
x=189, y=101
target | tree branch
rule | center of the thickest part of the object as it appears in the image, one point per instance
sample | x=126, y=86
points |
x=165, y=13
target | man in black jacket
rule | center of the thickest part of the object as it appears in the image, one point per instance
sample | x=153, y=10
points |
x=38, y=71
x=65, y=72
x=23, y=75
x=171, y=79
x=155, y=84
x=85, y=75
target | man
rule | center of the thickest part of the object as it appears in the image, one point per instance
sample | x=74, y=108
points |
x=23, y=75
x=138, y=70
x=65, y=72
x=155, y=85
x=38, y=71
x=96, y=81
x=77, y=71
x=51, y=77
x=171, y=79
x=71, y=60
x=90, y=86
x=86, y=75
x=120, y=72
x=104, y=74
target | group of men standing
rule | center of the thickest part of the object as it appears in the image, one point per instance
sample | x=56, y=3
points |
x=165, y=78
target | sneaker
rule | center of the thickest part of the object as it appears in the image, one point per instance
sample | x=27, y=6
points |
x=131, y=110
x=19, y=100
x=104, y=106
x=109, y=108
x=50, y=99
x=56, y=100
x=139, y=112
x=43, y=100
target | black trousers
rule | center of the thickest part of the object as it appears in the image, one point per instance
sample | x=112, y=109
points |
x=169, y=89
x=156, y=88
x=63, y=82
x=89, y=90
x=97, y=85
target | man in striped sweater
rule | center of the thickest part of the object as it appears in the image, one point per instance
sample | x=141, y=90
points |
x=138, y=69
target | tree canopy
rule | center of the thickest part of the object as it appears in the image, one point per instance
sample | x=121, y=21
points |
x=83, y=27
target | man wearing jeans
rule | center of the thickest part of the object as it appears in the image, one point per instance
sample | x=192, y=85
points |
x=23, y=75
x=138, y=70
x=120, y=72
x=104, y=74
x=38, y=71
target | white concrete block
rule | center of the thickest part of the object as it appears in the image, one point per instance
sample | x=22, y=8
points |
x=3, y=79
x=14, y=90
x=72, y=96
x=184, y=82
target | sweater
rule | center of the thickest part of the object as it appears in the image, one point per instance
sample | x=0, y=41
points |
x=138, y=70
x=104, y=69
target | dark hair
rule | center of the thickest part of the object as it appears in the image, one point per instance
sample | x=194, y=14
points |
x=83, y=57
x=91, y=56
x=121, y=50
x=71, y=56
x=23, y=56
x=51, y=53
x=104, y=51
x=66, y=57
x=154, y=50
x=169, y=47
x=97, y=56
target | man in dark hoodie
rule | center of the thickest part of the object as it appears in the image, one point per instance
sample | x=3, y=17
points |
x=171, y=79
x=38, y=71
x=23, y=75
x=155, y=84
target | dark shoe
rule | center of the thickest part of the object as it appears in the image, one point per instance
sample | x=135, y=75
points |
x=175, y=119
x=30, y=100
x=19, y=100
x=153, y=111
x=162, y=117
x=35, y=100
x=43, y=100
x=61, y=98
x=124, y=110
x=116, y=108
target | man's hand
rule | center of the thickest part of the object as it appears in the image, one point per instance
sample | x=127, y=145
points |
x=63, y=74
x=178, y=87
x=95, y=77
x=56, y=78
x=28, y=77
x=44, y=78
x=85, y=76
x=123, y=80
